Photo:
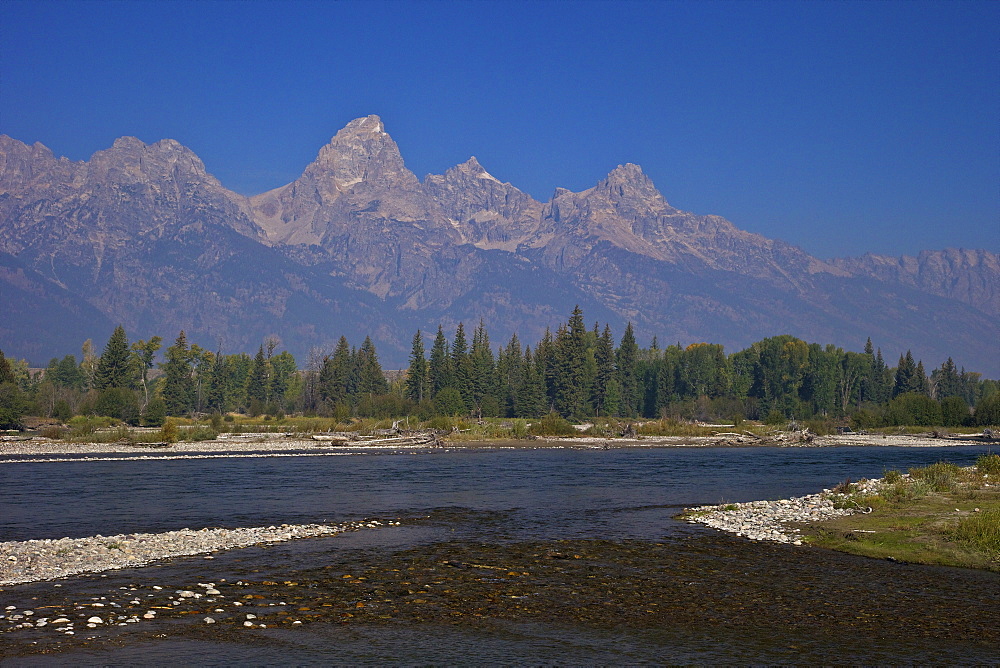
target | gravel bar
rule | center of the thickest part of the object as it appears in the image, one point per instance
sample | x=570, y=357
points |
x=767, y=520
x=47, y=559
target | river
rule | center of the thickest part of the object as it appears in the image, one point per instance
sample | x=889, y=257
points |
x=608, y=575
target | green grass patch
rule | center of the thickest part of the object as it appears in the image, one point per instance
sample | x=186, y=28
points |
x=939, y=514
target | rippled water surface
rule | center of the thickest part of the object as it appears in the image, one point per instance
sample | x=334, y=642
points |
x=614, y=507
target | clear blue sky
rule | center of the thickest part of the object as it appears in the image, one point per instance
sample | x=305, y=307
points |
x=841, y=127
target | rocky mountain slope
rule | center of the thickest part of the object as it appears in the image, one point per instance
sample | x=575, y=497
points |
x=143, y=235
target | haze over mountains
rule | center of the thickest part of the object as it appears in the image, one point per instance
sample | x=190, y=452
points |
x=142, y=235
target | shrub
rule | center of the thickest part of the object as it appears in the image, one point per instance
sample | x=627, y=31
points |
x=775, y=417
x=53, y=432
x=988, y=410
x=83, y=426
x=988, y=463
x=439, y=422
x=449, y=402
x=941, y=477
x=981, y=529
x=156, y=413
x=168, y=432
x=954, y=412
x=892, y=477
x=62, y=411
x=120, y=403
x=553, y=424
x=201, y=434
x=216, y=421
x=913, y=408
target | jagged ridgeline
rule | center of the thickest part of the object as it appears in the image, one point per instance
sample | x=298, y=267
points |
x=574, y=372
x=141, y=234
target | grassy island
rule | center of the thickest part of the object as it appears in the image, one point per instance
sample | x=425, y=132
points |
x=940, y=514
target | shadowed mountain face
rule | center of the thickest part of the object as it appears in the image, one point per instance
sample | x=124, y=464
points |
x=143, y=235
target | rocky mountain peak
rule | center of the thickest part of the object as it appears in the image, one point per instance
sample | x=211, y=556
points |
x=20, y=163
x=470, y=169
x=362, y=152
x=629, y=182
x=130, y=160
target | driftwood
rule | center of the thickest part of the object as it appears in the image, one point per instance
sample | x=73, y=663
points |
x=380, y=437
x=733, y=439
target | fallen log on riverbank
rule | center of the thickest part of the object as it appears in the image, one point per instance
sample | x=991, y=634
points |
x=400, y=439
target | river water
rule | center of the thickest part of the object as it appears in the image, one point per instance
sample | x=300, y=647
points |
x=613, y=577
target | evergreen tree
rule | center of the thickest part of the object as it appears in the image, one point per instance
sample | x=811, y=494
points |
x=626, y=361
x=906, y=376
x=178, y=385
x=416, y=375
x=12, y=400
x=461, y=367
x=439, y=367
x=283, y=369
x=216, y=395
x=570, y=392
x=371, y=380
x=510, y=372
x=65, y=373
x=604, y=359
x=881, y=385
x=531, y=400
x=334, y=375
x=482, y=379
x=258, y=383
x=545, y=361
x=920, y=383
x=114, y=368
x=946, y=381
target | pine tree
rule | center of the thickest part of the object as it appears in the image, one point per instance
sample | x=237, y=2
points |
x=946, y=381
x=334, y=374
x=416, y=375
x=545, y=361
x=570, y=390
x=509, y=375
x=371, y=380
x=283, y=370
x=530, y=400
x=920, y=380
x=178, y=386
x=906, y=376
x=626, y=360
x=258, y=382
x=604, y=358
x=461, y=367
x=439, y=368
x=215, y=396
x=482, y=379
x=114, y=368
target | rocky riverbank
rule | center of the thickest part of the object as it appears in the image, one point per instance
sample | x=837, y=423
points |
x=38, y=448
x=47, y=559
x=769, y=520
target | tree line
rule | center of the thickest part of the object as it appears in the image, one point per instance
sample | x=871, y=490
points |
x=576, y=372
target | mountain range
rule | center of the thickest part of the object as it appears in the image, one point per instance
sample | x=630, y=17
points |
x=142, y=235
